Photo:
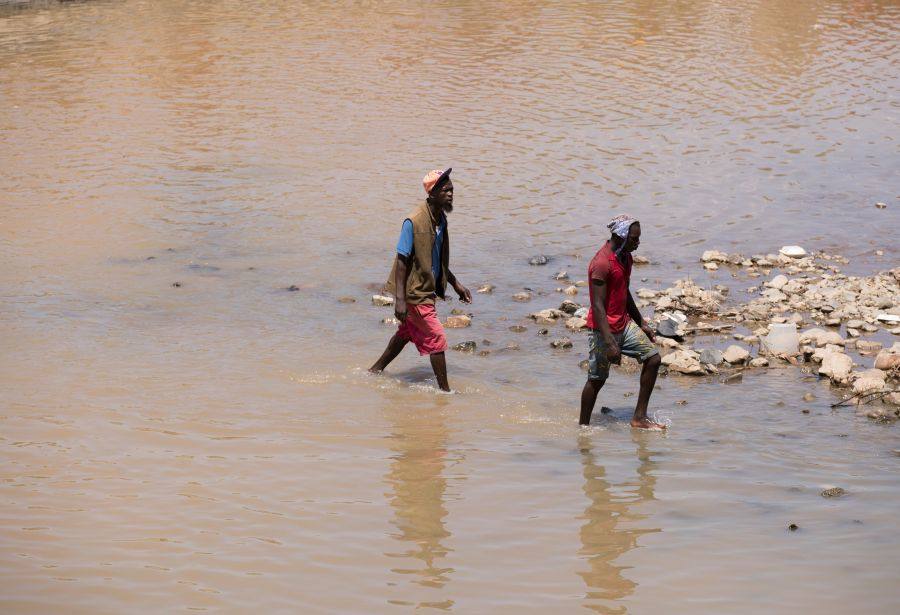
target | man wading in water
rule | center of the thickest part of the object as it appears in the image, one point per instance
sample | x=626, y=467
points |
x=617, y=326
x=420, y=274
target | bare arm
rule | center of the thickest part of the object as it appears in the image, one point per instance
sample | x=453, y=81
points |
x=464, y=295
x=400, y=285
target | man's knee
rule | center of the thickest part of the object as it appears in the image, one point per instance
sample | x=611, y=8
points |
x=653, y=362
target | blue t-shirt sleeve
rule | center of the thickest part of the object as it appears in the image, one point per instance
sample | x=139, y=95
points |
x=405, y=243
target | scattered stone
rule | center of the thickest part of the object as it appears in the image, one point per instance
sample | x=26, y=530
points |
x=176, y=284
x=683, y=362
x=672, y=324
x=809, y=397
x=640, y=260
x=710, y=266
x=889, y=358
x=382, y=300
x=460, y=321
x=778, y=282
x=512, y=346
x=518, y=329
x=881, y=205
x=569, y=307
x=390, y=320
x=834, y=492
x=469, y=346
x=646, y=293
x=522, y=296
x=710, y=256
x=869, y=381
x=581, y=312
x=736, y=354
x=293, y=288
x=540, y=259
x=759, y=362
x=821, y=337
x=562, y=342
x=868, y=346
x=888, y=318
x=793, y=251
x=584, y=365
x=459, y=312
x=580, y=283
x=837, y=367
x=793, y=527
x=485, y=289
x=576, y=324
x=347, y=300
x=571, y=290
x=543, y=331
x=711, y=356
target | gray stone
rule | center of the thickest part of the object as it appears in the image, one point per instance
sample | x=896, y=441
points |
x=711, y=356
x=735, y=354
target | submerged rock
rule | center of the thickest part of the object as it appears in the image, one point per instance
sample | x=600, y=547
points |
x=834, y=492
x=540, y=259
x=522, y=296
x=485, y=289
x=562, y=342
x=469, y=346
x=459, y=321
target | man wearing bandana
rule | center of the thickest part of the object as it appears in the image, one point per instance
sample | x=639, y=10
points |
x=616, y=325
x=420, y=275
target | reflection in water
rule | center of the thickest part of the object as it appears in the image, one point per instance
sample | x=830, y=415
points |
x=602, y=538
x=418, y=442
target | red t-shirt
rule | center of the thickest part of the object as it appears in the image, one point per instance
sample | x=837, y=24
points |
x=605, y=266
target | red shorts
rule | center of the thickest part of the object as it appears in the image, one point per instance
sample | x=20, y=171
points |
x=423, y=329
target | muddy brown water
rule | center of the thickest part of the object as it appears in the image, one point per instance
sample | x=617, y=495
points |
x=217, y=445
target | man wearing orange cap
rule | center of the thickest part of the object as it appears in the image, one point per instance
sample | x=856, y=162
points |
x=420, y=275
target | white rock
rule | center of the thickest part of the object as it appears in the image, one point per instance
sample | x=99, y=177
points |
x=571, y=290
x=714, y=255
x=646, y=293
x=759, y=362
x=683, y=362
x=575, y=323
x=710, y=266
x=778, y=282
x=793, y=251
x=837, y=366
x=736, y=354
x=888, y=318
x=382, y=300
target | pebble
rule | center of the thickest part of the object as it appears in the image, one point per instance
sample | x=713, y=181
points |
x=759, y=362
x=571, y=290
x=562, y=275
x=522, y=296
x=518, y=329
x=833, y=492
x=809, y=397
x=562, y=342
x=881, y=205
x=540, y=259
x=293, y=288
x=347, y=300
x=458, y=322
x=469, y=346
x=382, y=300
x=485, y=289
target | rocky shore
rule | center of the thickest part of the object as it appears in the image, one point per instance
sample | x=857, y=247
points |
x=835, y=316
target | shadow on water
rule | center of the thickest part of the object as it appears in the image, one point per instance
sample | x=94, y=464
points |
x=418, y=441
x=608, y=531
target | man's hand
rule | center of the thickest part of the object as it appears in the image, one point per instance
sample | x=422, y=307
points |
x=464, y=295
x=613, y=352
x=650, y=333
x=400, y=310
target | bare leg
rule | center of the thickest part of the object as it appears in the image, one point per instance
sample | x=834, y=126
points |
x=439, y=365
x=648, y=380
x=588, y=399
x=390, y=353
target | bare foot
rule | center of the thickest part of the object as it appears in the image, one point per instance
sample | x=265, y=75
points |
x=647, y=424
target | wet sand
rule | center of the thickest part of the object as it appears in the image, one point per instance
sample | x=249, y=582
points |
x=217, y=445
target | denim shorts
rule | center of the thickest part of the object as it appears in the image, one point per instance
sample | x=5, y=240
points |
x=633, y=342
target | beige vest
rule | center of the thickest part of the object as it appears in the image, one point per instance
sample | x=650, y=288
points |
x=420, y=286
